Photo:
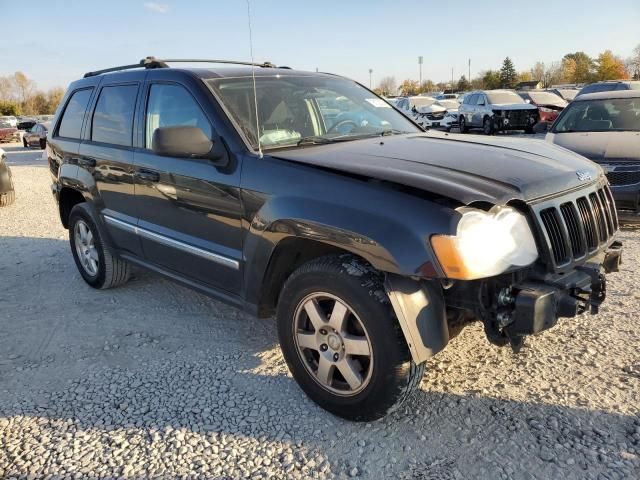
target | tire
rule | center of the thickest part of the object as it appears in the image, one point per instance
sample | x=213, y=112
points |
x=487, y=126
x=43, y=143
x=462, y=125
x=7, y=198
x=24, y=142
x=529, y=130
x=388, y=375
x=104, y=269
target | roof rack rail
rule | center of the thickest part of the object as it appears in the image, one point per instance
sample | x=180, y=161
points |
x=153, y=62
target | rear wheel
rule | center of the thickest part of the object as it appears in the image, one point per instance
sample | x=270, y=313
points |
x=24, y=142
x=341, y=340
x=99, y=266
x=463, y=125
x=43, y=143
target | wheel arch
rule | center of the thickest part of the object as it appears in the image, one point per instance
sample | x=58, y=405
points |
x=68, y=198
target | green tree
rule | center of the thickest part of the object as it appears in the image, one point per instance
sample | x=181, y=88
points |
x=508, y=75
x=491, y=79
x=463, y=84
x=578, y=67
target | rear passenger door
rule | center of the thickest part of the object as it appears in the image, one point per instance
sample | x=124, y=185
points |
x=106, y=160
x=189, y=210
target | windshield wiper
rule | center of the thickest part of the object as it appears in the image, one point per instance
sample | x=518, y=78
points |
x=320, y=140
x=316, y=140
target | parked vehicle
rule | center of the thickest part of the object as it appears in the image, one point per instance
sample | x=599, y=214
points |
x=7, y=192
x=10, y=119
x=450, y=119
x=567, y=94
x=609, y=85
x=549, y=104
x=496, y=110
x=37, y=136
x=605, y=128
x=8, y=132
x=425, y=111
x=447, y=96
x=374, y=245
x=26, y=124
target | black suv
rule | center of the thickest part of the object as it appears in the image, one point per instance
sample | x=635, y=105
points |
x=306, y=195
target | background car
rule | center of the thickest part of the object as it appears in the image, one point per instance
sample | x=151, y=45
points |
x=567, y=94
x=37, y=136
x=7, y=131
x=610, y=85
x=10, y=119
x=496, y=110
x=549, y=104
x=26, y=124
x=605, y=128
x=7, y=193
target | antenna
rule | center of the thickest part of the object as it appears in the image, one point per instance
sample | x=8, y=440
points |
x=253, y=76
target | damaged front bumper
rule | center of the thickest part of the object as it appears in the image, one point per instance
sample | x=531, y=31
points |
x=511, y=307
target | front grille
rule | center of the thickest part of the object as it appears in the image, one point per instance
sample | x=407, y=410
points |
x=517, y=117
x=435, y=116
x=623, y=178
x=578, y=226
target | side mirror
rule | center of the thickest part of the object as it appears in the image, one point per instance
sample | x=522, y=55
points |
x=187, y=142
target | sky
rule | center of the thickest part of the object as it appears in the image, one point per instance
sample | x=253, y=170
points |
x=54, y=42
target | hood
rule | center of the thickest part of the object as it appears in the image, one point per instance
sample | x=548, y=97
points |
x=456, y=166
x=601, y=146
x=513, y=106
x=431, y=109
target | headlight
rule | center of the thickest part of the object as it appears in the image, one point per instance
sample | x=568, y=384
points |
x=486, y=244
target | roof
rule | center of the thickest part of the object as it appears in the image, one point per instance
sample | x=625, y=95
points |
x=608, y=94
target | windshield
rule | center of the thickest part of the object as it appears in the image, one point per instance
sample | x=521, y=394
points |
x=504, y=97
x=616, y=114
x=295, y=109
x=547, y=98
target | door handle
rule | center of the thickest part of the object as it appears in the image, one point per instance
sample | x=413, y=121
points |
x=148, y=175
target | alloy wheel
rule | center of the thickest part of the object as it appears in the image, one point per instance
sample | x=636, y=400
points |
x=85, y=247
x=333, y=344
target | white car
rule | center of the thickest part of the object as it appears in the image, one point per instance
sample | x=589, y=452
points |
x=429, y=112
x=13, y=121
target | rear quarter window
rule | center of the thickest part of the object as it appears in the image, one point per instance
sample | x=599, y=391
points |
x=71, y=123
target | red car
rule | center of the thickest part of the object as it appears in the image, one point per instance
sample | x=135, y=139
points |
x=7, y=132
x=549, y=104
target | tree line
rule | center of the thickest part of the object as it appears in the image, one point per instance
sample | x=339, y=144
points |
x=19, y=95
x=573, y=68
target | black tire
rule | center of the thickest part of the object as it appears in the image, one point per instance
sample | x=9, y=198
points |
x=487, y=126
x=7, y=198
x=24, y=142
x=462, y=125
x=529, y=130
x=393, y=377
x=43, y=143
x=112, y=271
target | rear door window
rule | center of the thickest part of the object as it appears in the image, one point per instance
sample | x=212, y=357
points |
x=113, y=117
x=71, y=123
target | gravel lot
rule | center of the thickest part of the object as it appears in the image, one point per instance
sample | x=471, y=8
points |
x=156, y=381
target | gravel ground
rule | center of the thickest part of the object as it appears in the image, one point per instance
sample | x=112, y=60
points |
x=155, y=381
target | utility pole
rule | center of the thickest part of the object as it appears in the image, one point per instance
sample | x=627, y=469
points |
x=469, y=71
x=451, y=78
x=370, y=72
x=420, y=67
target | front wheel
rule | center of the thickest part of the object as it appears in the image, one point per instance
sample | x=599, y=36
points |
x=463, y=124
x=341, y=340
x=43, y=143
x=25, y=143
x=99, y=266
x=487, y=126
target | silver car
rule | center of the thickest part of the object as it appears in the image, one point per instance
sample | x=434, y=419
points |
x=496, y=110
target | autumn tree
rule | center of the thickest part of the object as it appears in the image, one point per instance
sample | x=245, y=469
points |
x=610, y=67
x=388, y=86
x=508, y=75
x=427, y=86
x=525, y=77
x=24, y=86
x=409, y=87
x=538, y=72
x=578, y=67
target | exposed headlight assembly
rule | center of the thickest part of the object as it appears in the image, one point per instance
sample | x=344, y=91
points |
x=486, y=244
